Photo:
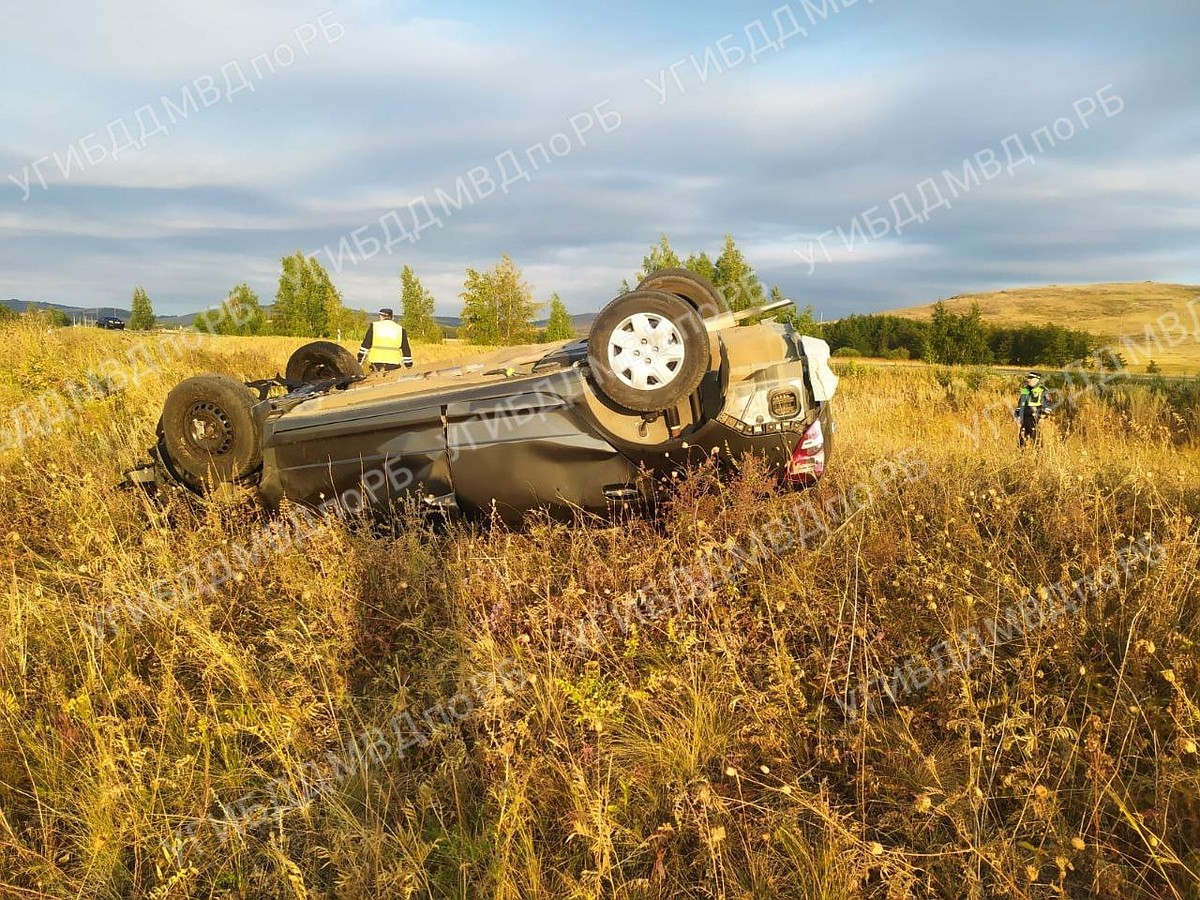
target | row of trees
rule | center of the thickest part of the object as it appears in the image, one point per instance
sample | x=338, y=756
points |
x=957, y=339
x=730, y=273
x=498, y=308
x=306, y=305
x=498, y=304
x=735, y=278
x=948, y=337
x=1051, y=345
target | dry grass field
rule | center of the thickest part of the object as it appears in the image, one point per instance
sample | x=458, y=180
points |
x=1111, y=311
x=951, y=670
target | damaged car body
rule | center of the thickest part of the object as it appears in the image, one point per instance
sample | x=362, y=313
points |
x=668, y=377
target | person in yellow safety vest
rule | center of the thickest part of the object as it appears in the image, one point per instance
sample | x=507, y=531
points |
x=1033, y=403
x=385, y=345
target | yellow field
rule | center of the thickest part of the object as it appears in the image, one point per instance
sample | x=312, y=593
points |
x=1111, y=311
x=42, y=363
x=196, y=701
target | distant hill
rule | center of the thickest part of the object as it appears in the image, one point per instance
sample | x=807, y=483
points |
x=583, y=322
x=1109, y=311
x=72, y=312
x=91, y=313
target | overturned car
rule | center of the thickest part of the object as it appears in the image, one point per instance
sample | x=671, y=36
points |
x=668, y=376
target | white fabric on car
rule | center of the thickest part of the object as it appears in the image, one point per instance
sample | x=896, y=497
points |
x=824, y=382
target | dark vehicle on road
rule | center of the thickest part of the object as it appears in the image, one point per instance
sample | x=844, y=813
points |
x=111, y=322
x=667, y=377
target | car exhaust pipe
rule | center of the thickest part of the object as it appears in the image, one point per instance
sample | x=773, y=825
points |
x=730, y=319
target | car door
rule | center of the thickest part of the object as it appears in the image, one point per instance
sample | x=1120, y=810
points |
x=527, y=446
x=368, y=456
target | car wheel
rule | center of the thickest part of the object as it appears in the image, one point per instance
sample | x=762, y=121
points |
x=696, y=289
x=210, y=432
x=648, y=350
x=321, y=361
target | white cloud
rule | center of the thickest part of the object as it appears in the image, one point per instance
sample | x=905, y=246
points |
x=410, y=99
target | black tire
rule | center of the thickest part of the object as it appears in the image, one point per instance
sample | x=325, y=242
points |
x=695, y=289
x=673, y=369
x=209, y=431
x=321, y=361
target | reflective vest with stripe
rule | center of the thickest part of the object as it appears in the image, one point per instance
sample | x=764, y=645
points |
x=387, y=337
x=1032, y=397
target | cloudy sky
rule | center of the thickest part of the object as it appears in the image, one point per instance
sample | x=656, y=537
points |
x=371, y=107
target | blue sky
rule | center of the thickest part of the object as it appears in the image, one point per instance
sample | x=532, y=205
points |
x=873, y=100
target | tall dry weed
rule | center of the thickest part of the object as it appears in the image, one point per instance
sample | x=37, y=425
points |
x=676, y=723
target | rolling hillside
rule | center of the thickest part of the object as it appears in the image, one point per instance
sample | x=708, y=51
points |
x=1113, y=311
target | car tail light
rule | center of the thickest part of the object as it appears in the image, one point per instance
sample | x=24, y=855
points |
x=808, y=459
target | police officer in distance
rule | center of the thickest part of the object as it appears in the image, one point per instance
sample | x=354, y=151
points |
x=1033, y=404
x=385, y=345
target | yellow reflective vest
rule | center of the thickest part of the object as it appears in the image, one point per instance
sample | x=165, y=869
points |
x=387, y=341
x=1035, y=397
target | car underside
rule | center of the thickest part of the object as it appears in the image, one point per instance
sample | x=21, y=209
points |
x=668, y=378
